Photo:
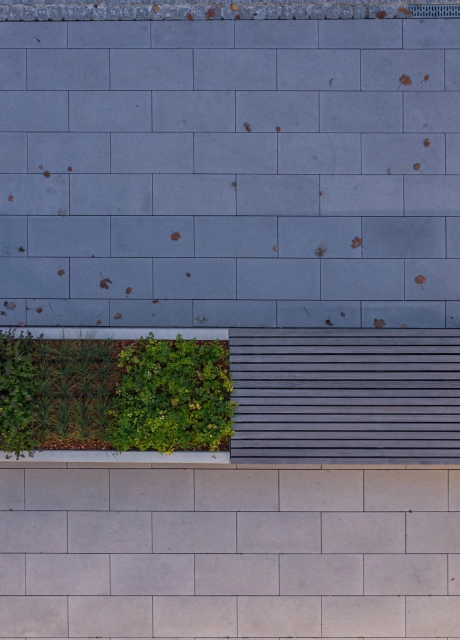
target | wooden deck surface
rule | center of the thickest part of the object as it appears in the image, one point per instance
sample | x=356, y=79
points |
x=358, y=396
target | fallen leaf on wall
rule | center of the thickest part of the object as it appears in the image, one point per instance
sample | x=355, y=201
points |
x=416, y=166
x=381, y=15
x=278, y=129
x=128, y=290
x=426, y=142
x=405, y=80
x=175, y=235
x=39, y=309
x=104, y=283
x=47, y=174
x=156, y=301
x=117, y=316
x=61, y=272
x=247, y=127
x=379, y=324
x=210, y=13
x=9, y=305
x=420, y=280
x=10, y=198
x=426, y=77
x=356, y=242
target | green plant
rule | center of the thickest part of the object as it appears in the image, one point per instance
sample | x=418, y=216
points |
x=18, y=387
x=172, y=395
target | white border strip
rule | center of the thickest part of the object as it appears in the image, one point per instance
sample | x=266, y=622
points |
x=85, y=333
x=113, y=457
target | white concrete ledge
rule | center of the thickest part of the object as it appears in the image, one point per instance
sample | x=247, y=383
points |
x=85, y=333
x=114, y=457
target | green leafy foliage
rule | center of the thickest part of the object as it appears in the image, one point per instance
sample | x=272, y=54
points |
x=18, y=387
x=173, y=395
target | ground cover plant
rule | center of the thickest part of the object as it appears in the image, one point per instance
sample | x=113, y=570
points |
x=109, y=394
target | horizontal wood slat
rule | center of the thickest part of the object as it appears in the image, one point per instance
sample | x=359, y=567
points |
x=316, y=396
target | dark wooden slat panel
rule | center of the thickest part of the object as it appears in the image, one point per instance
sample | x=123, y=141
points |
x=351, y=444
x=343, y=333
x=360, y=358
x=451, y=367
x=342, y=349
x=319, y=417
x=329, y=342
x=267, y=402
x=347, y=384
x=345, y=375
x=247, y=394
x=374, y=452
x=326, y=427
x=246, y=457
x=342, y=436
x=387, y=410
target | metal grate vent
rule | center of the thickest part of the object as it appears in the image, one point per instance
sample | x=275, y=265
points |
x=435, y=10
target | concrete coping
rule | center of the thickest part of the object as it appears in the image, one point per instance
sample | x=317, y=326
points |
x=114, y=457
x=90, y=333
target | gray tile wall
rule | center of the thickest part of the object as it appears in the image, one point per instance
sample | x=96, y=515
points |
x=224, y=168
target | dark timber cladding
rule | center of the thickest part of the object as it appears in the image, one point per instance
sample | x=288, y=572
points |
x=345, y=395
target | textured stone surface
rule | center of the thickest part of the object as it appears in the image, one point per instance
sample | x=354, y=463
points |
x=267, y=142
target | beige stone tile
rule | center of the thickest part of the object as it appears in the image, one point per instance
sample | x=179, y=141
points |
x=363, y=466
x=363, y=532
x=321, y=574
x=141, y=574
x=405, y=574
x=11, y=489
x=433, y=616
x=454, y=574
x=242, y=574
x=109, y=532
x=194, y=532
x=363, y=616
x=67, y=489
x=321, y=490
x=12, y=574
x=296, y=616
x=454, y=490
x=405, y=490
x=433, y=532
x=110, y=616
x=151, y=490
x=194, y=616
x=34, y=617
x=237, y=490
x=67, y=574
x=278, y=532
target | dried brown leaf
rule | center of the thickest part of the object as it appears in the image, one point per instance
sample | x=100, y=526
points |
x=189, y=16
x=328, y=322
x=404, y=326
x=117, y=316
x=426, y=77
x=61, y=272
x=156, y=8
x=234, y=7
x=379, y=324
x=247, y=126
x=237, y=17
x=416, y=166
x=128, y=290
x=47, y=174
x=39, y=309
x=275, y=248
x=98, y=322
x=69, y=169
x=233, y=184
x=9, y=305
x=356, y=242
x=210, y=13
x=21, y=324
x=175, y=235
x=320, y=193
x=10, y=198
x=104, y=283
x=405, y=80
x=420, y=280
x=278, y=129
x=426, y=142
x=188, y=275
x=156, y=301
x=381, y=15
x=40, y=166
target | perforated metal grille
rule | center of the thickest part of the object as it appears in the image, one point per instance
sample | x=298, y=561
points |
x=435, y=10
